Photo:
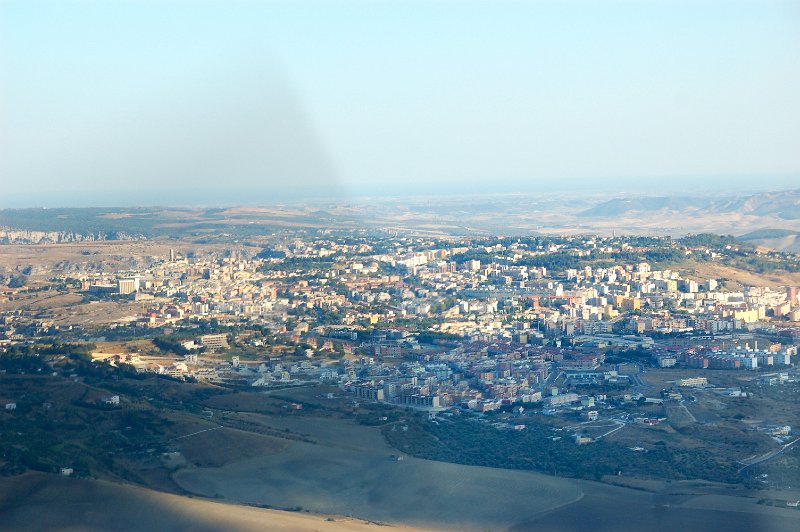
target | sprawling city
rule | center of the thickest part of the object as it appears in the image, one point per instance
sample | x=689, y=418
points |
x=666, y=365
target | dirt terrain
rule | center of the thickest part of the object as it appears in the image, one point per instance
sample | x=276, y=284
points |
x=61, y=308
x=94, y=257
x=709, y=270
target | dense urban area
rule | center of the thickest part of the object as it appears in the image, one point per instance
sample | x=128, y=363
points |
x=575, y=356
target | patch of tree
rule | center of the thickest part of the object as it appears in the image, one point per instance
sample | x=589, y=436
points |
x=768, y=263
x=17, y=281
x=270, y=253
x=472, y=443
x=558, y=261
x=12, y=362
x=86, y=441
x=305, y=264
x=711, y=241
x=170, y=345
x=54, y=348
x=475, y=254
x=329, y=317
x=434, y=337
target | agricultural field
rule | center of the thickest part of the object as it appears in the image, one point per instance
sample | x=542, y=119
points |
x=350, y=468
x=77, y=504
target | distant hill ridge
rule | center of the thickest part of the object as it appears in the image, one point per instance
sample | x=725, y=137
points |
x=783, y=204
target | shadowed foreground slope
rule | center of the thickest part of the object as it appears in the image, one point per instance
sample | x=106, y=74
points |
x=36, y=501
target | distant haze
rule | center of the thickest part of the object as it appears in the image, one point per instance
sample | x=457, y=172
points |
x=210, y=102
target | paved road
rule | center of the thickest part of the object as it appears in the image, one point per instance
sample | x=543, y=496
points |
x=612, y=431
x=767, y=456
x=194, y=433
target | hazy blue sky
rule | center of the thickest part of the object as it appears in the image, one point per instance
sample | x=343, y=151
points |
x=117, y=102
